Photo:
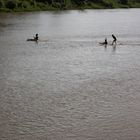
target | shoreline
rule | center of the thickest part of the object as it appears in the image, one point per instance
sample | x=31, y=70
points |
x=40, y=10
x=72, y=7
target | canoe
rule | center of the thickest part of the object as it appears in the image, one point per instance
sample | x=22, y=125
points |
x=31, y=39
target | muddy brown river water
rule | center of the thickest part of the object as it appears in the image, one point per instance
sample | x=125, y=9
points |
x=67, y=86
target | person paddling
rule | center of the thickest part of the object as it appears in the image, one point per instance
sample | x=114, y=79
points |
x=36, y=37
x=114, y=39
x=105, y=42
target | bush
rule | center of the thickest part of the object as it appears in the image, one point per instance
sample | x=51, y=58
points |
x=25, y=4
x=19, y=5
x=97, y=6
x=56, y=5
x=109, y=3
x=11, y=4
x=124, y=2
x=1, y=4
x=41, y=5
x=33, y=3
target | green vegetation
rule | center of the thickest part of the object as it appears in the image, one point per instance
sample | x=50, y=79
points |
x=35, y=5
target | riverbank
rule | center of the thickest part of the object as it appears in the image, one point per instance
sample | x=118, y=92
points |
x=32, y=5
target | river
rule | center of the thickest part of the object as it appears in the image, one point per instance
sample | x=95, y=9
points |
x=67, y=86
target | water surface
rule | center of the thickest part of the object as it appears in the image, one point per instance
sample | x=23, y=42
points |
x=67, y=86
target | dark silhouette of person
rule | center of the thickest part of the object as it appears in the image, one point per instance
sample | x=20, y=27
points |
x=36, y=37
x=105, y=42
x=114, y=39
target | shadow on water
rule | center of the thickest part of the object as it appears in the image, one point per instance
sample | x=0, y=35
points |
x=105, y=46
x=114, y=47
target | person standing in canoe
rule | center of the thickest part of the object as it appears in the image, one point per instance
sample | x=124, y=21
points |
x=114, y=39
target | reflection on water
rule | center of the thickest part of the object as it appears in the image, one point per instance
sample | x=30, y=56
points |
x=67, y=86
x=114, y=47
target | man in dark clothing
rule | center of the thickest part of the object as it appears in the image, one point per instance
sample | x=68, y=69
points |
x=115, y=39
x=36, y=37
x=105, y=42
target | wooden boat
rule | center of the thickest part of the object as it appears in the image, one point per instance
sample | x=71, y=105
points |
x=33, y=39
x=103, y=43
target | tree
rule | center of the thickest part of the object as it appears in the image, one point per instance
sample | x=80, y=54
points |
x=124, y=1
x=11, y=4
